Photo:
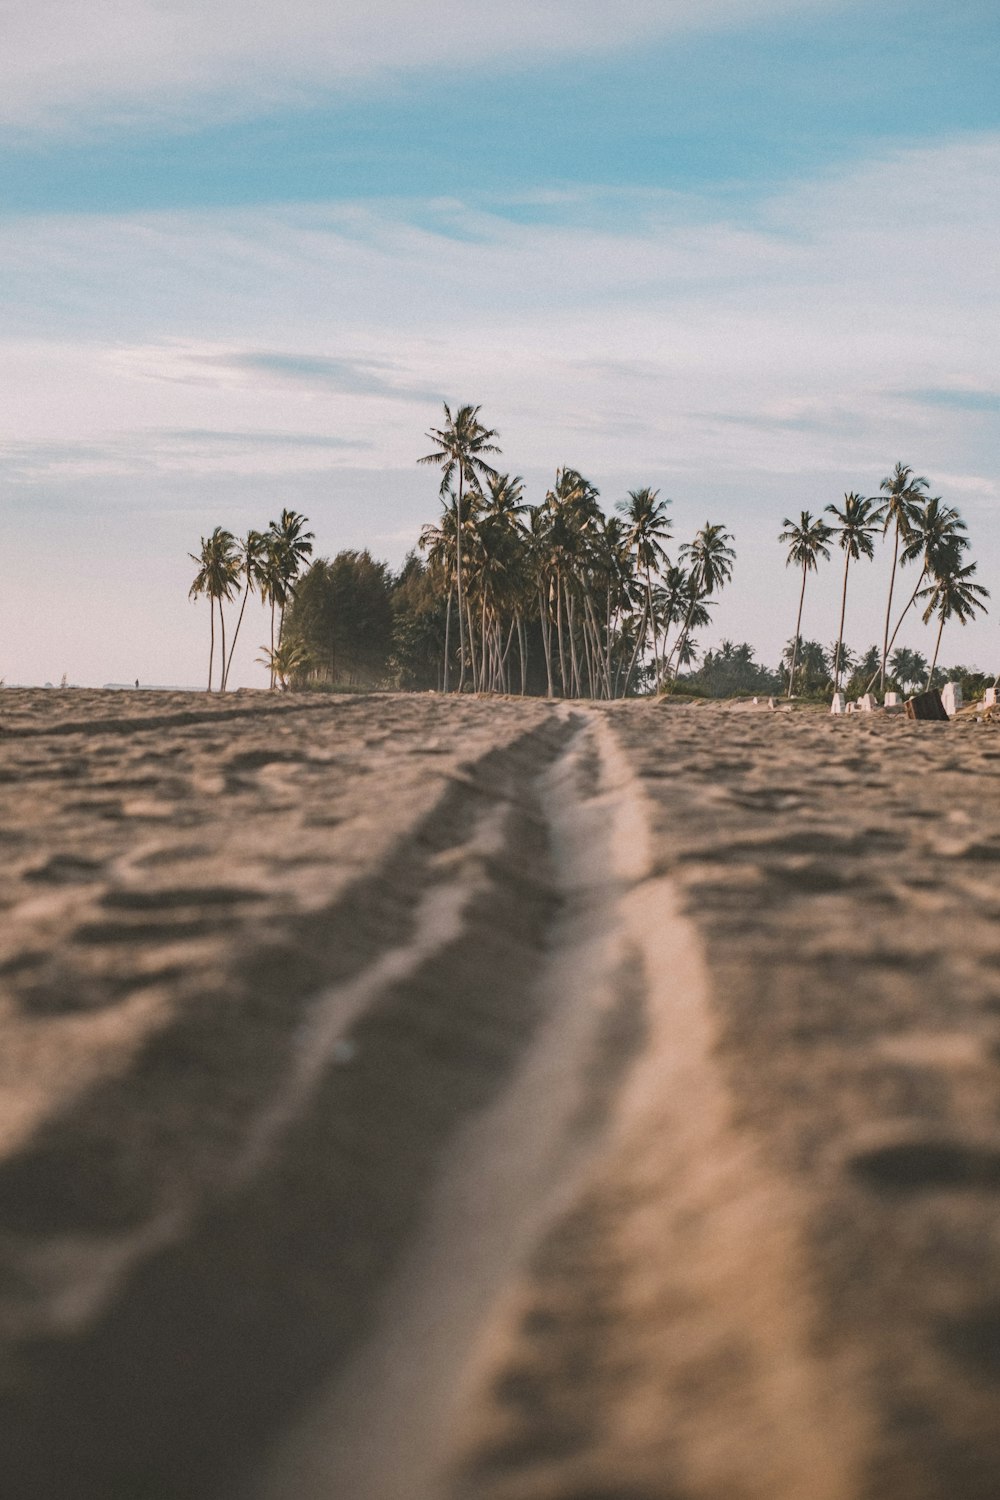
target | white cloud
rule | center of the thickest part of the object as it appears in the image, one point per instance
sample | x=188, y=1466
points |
x=749, y=368
x=186, y=58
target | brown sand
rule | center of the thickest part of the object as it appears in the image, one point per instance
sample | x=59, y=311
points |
x=420, y=1099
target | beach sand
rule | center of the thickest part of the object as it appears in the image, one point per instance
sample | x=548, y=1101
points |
x=408, y=1098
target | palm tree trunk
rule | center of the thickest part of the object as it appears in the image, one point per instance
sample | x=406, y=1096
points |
x=908, y=606
x=546, y=623
x=840, y=633
x=639, y=640
x=656, y=639
x=798, y=626
x=272, y=639
x=522, y=646
x=574, y=665
x=888, y=608
x=447, y=641
x=596, y=656
x=678, y=647
x=559, y=629
x=458, y=581
x=222, y=663
x=482, y=631
x=470, y=637
x=937, y=647
x=236, y=633
x=211, y=649
x=607, y=639
x=503, y=672
x=892, y=640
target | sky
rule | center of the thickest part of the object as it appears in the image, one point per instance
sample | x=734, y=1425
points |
x=742, y=251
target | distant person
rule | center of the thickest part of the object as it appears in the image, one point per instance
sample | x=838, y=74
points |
x=137, y=682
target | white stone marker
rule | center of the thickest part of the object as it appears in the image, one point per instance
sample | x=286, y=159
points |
x=990, y=698
x=951, y=697
x=867, y=703
x=892, y=700
x=837, y=706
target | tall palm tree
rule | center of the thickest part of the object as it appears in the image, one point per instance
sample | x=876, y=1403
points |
x=461, y=445
x=252, y=552
x=709, y=560
x=952, y=594
x=292, y=546
x=286, y=546
x=936, y=534
x=218, y=577
x=858, y=526
x=900, y=500
x=807, y=543
x=647, y=528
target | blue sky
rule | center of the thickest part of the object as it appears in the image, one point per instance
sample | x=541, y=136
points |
x=743, y=250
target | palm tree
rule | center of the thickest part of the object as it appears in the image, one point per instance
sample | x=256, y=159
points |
x=848, y=658
x=900, y=501
x=710, y=562
x=461, y=444
x=647, y=529
x=807, y=543
x=290, y=661
x=908, y=668
x=936, y=533
x=218, y=576
x=952, y=593
x=858, y=526
x=286, y=547
x=252, y=553
x=292, y=546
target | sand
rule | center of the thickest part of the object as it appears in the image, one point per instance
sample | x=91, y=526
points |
x=421, y=1099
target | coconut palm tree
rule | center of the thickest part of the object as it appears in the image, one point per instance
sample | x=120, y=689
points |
x=286, y=547
x=858, y=526
x=461, y=446
x=292, y=546
x=952, y=594
x=252, y=552
x=937, y=532
x=848, y=658
x=287, y=663
x=899, y=502
x=647, y=529
x=709, y=560
x=807, y=543
x=218, y=576
x=908, y=668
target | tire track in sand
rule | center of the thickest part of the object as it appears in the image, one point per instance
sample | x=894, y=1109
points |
x=492, y=1236
x=607, y=1299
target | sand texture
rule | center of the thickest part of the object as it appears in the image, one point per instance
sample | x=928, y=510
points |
x=417, y=1099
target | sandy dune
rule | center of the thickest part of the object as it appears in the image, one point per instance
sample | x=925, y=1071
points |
x=420, y=1099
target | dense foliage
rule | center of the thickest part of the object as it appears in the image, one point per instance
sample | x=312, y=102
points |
x=566, y=599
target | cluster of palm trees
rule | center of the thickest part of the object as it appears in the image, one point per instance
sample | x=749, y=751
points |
x=924, y=531
x=599, y=591
x=267, y=563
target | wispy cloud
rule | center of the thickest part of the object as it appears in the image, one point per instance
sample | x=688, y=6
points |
x=206, y=437
x=946, y=398
x=148, y=453
x=353, y=377
x=126, y=60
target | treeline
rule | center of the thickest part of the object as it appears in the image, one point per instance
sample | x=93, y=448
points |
x=925, y=535
x=561, y=598
x=556, y=598
x=596, y=596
